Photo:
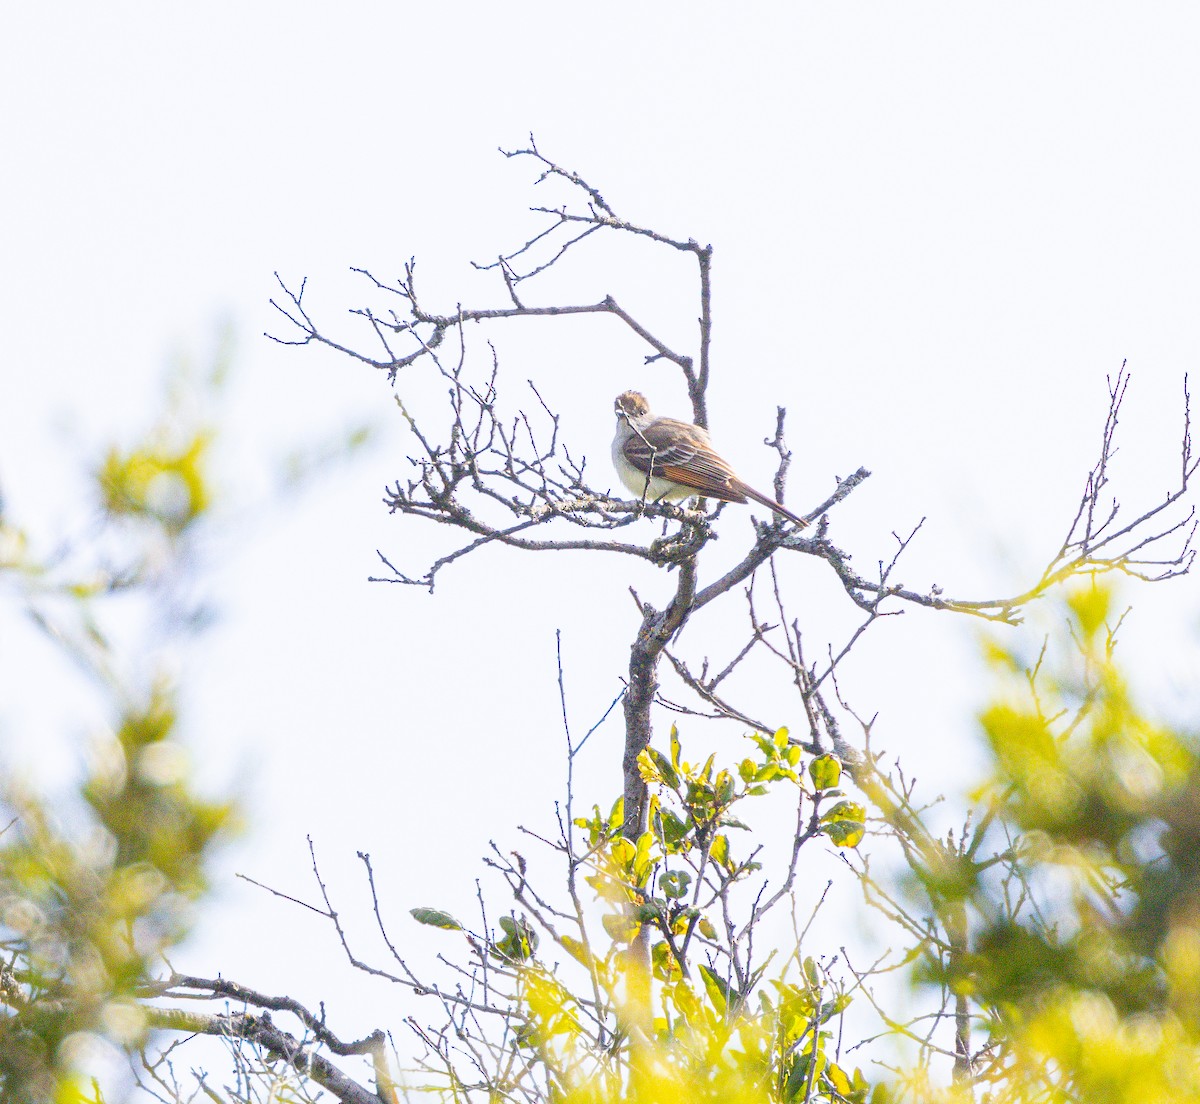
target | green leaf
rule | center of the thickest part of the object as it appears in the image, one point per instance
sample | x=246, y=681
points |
x=846, y=833
x=720, y=992
x=643, y=857
x=674, y=884
x=797, y=1080
x=577, y=950
x=673, y=829
x=686, y=1000
x=435, y=918
x=781, y=739
x=834, y=1007
x=622, y=853
x=666, y=967
x=838, y=1079
x=825, y=772
x=620, y=928
x=665, y=770
x=699, y=797
x=844, y=810
x=650, y=912
x=520, y=940
x=648, y=767
x=845, y=824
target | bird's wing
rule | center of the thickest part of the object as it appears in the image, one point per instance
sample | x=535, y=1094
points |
x=683, y=454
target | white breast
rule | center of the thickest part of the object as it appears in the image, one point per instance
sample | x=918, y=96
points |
x=635, y=481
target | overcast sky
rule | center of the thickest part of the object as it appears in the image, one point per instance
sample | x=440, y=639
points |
x=937, y=227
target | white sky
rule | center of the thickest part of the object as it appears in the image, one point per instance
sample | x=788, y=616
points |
x=937, y=227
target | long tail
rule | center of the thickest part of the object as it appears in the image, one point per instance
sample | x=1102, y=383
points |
x=770, y=503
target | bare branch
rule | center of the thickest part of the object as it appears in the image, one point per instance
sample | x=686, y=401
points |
x=283, y=1046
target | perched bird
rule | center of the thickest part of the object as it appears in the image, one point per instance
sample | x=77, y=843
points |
x=659, y=458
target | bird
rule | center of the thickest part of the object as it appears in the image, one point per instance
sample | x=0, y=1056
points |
x=660, y=458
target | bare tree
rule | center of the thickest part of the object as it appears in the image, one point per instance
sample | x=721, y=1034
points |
x=502, y=481
x=498, y=473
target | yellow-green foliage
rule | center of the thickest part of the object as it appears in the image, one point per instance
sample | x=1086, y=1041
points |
x=87, y=913
x=162, y=480
x=698, y=1044
x=95, y=887
x=1083, y=939
x=1094, y=995
x=656, y=1014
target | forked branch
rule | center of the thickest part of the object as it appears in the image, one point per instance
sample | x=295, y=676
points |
x=501, y=473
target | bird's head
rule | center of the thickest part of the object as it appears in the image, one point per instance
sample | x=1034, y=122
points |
x=631, y=404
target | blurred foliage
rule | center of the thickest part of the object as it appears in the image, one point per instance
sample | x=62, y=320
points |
x=97, y=884
x=87, y=912
x=158, y=480
x=1085, y=951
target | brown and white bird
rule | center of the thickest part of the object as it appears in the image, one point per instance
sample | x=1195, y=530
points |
x=660, y=458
